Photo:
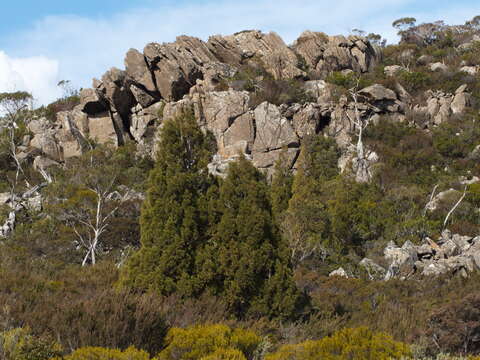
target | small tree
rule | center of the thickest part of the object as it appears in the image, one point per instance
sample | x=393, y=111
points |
x=305, y=225
x=87, y=196
x=360, y=122
x=244, y=261
x=376, y=39
x=67, y=88
x=404, y=24
x=173, y=219
x=13, y=106
x=281, y=188
x=358, y=32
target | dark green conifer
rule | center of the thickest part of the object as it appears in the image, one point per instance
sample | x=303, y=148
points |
x=244, y=253
x=306, y=223
x=281, y=188
x=173, y=224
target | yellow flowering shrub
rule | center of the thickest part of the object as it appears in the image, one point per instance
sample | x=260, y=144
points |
x=100, y=353
x=203, y=341
x=225, y=354
x=347, y=344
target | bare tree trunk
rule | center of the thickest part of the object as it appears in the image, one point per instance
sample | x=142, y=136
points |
x=361, y=166
x=455, y=207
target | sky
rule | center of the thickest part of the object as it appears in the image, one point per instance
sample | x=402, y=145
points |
x=43, y=42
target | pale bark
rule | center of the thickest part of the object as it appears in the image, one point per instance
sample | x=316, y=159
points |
x=455, y=207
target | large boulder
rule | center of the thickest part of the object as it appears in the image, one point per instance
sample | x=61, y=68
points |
x=226, y=114
x=177, y=66
x=340, y=272
x=102, y=129
x=307, y=120
x=374, y=271
x=277, y=57
x=324, y=54
x=91, y=103
x=460, y=101
x=401, y=260
x=144, y=122
x=273, y=131
x=267, y=160
x=378, y=92
x=137, y=70
x=274, y=136
x=73, y=132
x=239, y=137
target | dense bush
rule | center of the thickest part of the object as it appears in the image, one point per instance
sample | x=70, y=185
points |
x=455, y=327
x=457, y=138
x=209, y=342
x=358, y=344
x=99, y=353
x=279, y=92
x=20, y=344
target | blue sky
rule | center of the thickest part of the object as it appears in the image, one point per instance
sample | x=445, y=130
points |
x=44, y=41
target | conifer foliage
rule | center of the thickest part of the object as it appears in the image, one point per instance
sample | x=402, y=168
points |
x=199, y=237
x=244, y=260
x=306, y=224
x=172, y=224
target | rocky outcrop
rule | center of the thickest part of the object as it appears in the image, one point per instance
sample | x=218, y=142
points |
x=177, y=66
x=323, y=54
x=440, y=106
x=278, y=58
x=451, y=254
x=340, y=272
x=438, y=66
x=193, y=75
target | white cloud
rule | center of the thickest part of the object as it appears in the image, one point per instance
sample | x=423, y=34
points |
x=87, y=47
x=37, y=75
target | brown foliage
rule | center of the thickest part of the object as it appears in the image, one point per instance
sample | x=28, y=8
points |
x=455, y=327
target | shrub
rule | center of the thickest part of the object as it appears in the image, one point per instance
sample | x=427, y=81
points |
x=348, y=80
x=99, y=353
x=358, y=344
x=63, y=104
x=457, y=138
x=20, y=344
x=455, y=327
x=225, y=354
x=206, y=341
x=414, y=81
x=279, y=91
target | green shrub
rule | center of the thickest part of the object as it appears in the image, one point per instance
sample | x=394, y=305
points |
x=20, y=344
x=414, y=81
x=348, y=80
x=279, y=91
x=457, y=138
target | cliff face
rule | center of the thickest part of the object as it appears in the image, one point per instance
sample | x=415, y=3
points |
x=131, y=104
